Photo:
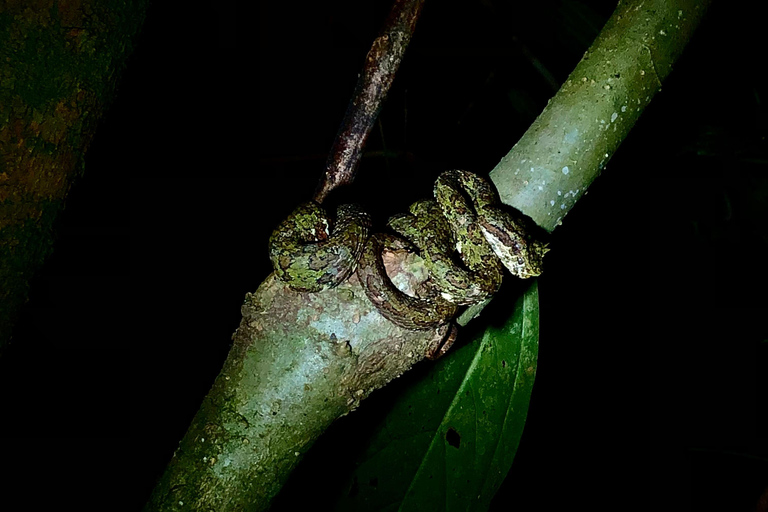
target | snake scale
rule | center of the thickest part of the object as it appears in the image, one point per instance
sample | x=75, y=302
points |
x=464, y=222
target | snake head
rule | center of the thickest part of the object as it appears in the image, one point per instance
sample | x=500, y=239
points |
x=511, y=240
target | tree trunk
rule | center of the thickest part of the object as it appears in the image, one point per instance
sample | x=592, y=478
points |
x=59, y=63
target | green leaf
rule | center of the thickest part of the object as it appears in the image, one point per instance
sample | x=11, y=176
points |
x=449, y=441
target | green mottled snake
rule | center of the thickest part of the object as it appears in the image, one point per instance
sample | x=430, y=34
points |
x=310, y=254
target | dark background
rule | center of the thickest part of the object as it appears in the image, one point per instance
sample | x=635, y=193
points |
x=651, y=386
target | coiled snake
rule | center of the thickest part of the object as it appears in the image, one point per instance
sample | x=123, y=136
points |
x=310, y=254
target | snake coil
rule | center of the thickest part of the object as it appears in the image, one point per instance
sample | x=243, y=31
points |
x=465, y=218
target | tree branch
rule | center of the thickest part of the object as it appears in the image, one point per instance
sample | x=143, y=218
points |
x=570, y=143
x=379, y=70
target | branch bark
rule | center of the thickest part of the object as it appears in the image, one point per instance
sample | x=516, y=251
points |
x=60, y=63
x=570, y=143
x=300, y=361
x=379, y=70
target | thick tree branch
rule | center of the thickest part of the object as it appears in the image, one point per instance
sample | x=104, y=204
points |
x=300, y=361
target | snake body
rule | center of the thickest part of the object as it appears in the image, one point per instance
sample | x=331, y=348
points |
x=396, y=306
x=311, y=253
x=436, y=233
x=465, y=222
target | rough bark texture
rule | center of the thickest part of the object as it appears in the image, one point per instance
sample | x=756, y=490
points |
x=59, y=63
x=301, y=360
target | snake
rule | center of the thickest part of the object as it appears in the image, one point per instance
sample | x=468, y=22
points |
x=465, y=237
x=311, y=251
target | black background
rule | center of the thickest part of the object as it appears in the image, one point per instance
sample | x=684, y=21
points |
x=651, y=386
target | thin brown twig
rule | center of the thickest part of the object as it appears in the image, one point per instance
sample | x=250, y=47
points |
x=379, y=70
